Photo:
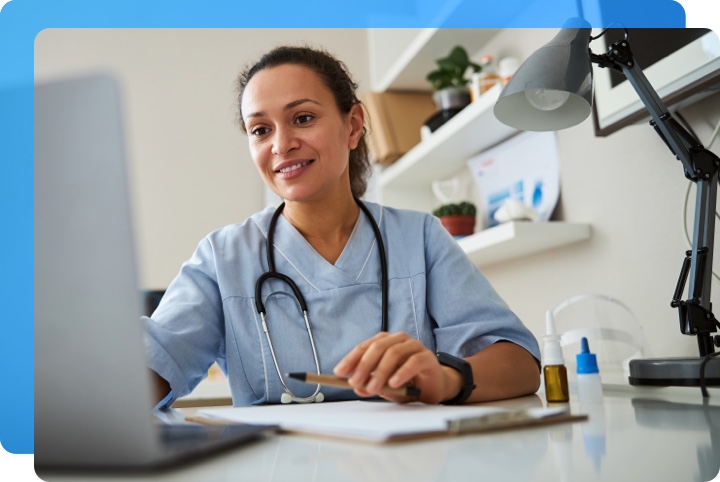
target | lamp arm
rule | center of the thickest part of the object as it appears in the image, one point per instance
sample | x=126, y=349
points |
x=700, y=166
x=683, y=145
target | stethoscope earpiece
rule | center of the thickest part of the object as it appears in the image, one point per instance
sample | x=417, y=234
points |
x=286, y=398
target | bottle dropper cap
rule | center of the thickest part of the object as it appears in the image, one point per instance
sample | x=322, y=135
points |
x=586, y=361
x=552, y=351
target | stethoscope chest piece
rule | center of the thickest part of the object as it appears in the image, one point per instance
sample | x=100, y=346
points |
x=288, y=397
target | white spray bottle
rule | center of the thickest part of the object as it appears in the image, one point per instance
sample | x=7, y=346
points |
x=554, y=371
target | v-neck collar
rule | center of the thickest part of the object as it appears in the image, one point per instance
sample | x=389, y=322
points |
x=294, y=256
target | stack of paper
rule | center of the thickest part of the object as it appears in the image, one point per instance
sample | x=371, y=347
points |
x=380, y=421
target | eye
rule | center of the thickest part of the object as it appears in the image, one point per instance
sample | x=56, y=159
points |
x=304, y=118
x=259, y=131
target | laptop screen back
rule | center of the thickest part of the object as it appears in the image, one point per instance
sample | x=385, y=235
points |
x=92, y=390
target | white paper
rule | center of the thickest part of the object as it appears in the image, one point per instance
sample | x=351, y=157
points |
x=372, y=421
x=525, y=168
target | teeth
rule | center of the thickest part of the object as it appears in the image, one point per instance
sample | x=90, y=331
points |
x=292, y=168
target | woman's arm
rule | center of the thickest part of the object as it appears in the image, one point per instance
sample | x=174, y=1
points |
x=502, y=370
x=160, y=386
x=185, y=335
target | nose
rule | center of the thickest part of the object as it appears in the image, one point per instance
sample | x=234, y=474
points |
x=284, y=140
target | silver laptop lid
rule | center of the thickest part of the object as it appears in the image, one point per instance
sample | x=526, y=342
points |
x=92, y=389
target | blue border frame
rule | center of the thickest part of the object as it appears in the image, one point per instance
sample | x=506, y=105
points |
x=22, y=20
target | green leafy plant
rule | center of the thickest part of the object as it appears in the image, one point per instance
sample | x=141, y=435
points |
x=452, y=209
x=452, y=69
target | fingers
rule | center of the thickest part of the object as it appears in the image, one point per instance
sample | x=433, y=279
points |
x=385, y=359
x=379, y=360
x=364, y=359
x=347, y=365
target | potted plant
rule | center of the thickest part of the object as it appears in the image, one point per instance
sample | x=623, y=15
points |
x=458, y=219
x=450, y=80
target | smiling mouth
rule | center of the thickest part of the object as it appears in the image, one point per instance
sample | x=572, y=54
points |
x=293, y=167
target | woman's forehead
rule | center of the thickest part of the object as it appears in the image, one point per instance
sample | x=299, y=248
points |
x=281, y=84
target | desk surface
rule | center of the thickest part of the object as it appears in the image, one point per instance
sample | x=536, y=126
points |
x=636, y=434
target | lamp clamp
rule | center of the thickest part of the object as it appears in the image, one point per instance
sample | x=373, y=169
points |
x=695, y=318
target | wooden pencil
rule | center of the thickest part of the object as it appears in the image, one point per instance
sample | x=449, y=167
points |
x=333, y=381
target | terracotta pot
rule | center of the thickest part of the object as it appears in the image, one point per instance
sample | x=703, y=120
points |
x=459, y=224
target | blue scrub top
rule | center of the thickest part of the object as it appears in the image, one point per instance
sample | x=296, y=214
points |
x=208, y=313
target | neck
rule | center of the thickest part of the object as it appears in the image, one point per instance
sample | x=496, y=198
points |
x=326, y=225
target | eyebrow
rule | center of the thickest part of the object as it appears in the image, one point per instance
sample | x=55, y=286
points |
x=289, y=106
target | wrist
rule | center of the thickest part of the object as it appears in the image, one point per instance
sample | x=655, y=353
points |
x=464, y=371
x=453, y=383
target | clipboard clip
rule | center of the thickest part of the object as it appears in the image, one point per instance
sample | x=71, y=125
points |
x=511, y=418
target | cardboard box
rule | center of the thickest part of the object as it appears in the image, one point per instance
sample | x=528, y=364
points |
x=395, y=119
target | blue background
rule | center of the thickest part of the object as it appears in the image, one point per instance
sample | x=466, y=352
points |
x=22, y=20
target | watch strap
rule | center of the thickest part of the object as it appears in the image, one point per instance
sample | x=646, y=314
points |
x=465, y=370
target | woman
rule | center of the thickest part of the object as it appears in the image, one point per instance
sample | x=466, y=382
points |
x=445, y=330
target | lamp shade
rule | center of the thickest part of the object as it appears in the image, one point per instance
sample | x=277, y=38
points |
x=552, y=89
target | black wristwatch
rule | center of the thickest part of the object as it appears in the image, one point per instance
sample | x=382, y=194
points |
x=465, y=370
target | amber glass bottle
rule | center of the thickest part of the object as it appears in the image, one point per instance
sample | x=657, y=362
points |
x=554, y=371
x=556, y=385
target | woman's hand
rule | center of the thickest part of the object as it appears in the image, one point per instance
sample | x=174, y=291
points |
x=397, y=360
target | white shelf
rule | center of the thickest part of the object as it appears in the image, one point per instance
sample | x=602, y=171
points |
x=407, y=182
x=408, y=70
x=471, y=131
x=520, y=238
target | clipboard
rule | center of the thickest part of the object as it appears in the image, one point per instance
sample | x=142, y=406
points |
x=386, y=422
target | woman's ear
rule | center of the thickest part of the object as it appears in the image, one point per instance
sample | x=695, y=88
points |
x=356, y=119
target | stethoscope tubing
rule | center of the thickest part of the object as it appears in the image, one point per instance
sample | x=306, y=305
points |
x=383, y=264
x=272, y=273
x=294, y=397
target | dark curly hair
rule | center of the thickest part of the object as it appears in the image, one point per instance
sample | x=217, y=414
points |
x=336, y=77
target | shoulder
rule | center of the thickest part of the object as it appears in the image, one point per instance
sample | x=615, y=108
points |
x=253, y=227
x=408, y=226
x=414, y=236
x=400, y=220
x=236, y=240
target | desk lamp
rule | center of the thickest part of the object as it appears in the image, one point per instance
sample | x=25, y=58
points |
x=552, y=90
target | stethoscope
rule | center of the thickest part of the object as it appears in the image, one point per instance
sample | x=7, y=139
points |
x=317, y=396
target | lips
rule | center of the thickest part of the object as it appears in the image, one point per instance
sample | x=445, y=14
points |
x=289, y=167
x=292, y=169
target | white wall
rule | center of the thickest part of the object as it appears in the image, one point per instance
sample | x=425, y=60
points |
x=189, y=160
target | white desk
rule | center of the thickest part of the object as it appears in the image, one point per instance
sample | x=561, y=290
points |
x=637, y=434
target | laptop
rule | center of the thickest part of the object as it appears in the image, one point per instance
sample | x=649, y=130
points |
x=93, y=396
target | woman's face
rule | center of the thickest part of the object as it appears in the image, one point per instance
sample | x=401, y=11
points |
x=299, y=140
